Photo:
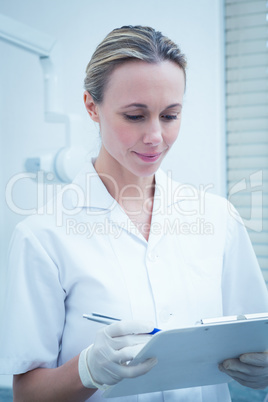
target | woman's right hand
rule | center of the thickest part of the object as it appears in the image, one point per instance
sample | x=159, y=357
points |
x=114, y=346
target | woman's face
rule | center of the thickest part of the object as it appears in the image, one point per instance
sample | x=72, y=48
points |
x=140, y=115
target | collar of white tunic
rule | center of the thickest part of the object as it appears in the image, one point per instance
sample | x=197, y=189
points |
x=89, y=192
x=88, y=179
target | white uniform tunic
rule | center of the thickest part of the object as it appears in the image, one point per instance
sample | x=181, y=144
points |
x=83, y=254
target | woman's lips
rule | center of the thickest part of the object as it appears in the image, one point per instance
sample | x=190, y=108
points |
x=149, y=157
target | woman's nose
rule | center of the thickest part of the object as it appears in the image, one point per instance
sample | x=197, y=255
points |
x=153, y=133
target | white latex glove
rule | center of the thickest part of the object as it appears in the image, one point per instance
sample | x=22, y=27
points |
x=251, y=369
x=115, y=345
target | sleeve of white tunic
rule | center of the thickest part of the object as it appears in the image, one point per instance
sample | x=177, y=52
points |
x=243, y=287
x=34, y=313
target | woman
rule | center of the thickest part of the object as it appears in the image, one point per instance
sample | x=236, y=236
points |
x=122, y=241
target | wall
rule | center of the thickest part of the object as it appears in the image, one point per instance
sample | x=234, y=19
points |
x=197, y=26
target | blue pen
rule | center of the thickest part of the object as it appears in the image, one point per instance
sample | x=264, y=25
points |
x=106, y=319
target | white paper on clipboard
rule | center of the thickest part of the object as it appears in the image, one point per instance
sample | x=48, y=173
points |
x=189, y=357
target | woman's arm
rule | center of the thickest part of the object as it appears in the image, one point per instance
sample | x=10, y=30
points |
x=100, y=365
x=48, y=385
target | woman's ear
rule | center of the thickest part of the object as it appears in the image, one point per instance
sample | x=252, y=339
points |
x=91, y=107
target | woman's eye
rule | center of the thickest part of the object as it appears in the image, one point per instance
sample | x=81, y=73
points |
x=170, y=116
x=139, y=117
x=133, y=117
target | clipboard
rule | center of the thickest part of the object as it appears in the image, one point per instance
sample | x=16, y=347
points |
x=189, y=357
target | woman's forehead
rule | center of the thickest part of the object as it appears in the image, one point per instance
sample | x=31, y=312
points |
x=144, y=80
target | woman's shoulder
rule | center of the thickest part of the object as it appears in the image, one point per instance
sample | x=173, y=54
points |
x=190, y=194
x=48, y=218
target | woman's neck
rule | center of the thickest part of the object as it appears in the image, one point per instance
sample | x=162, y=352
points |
x=120, y=182
x=134, y=194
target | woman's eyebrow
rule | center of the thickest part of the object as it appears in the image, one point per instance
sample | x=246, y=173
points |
x=173, y=105
x=142, y=105
x=136, y=105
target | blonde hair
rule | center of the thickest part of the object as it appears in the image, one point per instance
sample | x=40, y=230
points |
x=125, y=44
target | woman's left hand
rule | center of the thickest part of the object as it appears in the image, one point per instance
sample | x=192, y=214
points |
x=250, y=369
